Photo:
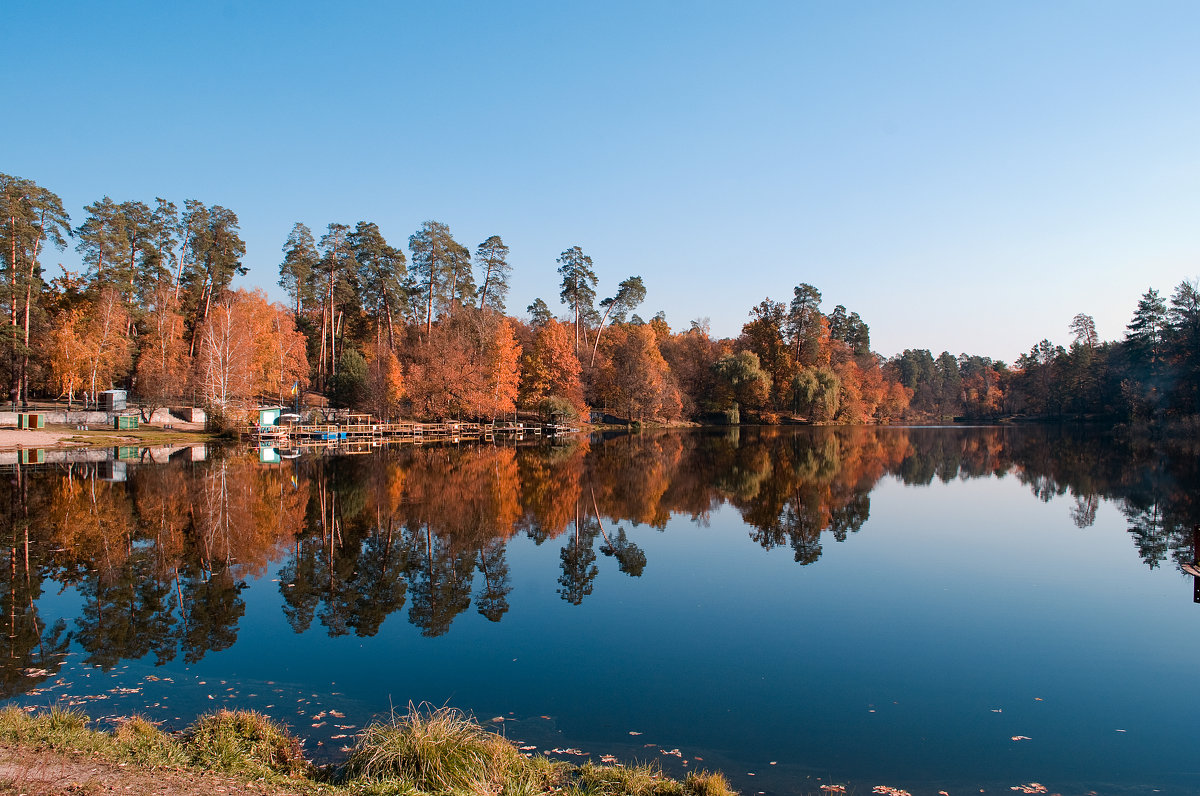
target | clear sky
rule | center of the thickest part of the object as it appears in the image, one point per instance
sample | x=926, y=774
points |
x=966, y=176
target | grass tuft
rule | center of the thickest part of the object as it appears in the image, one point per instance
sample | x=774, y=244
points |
x=244, y=742
x=705, y=783
x=644, y=779
x=443, y=750
x=56, y=728
x=138, y=740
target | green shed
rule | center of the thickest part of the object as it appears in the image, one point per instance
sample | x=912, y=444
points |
x=31, y=420
x=269, y=415
x=125, y=422
x=127, y=453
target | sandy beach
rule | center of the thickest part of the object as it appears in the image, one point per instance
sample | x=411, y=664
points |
x=12, y=438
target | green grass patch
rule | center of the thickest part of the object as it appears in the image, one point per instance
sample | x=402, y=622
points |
x=645, y=779
x=57, y=728
x=244, y=742
x=138, y=740
x=443, y=750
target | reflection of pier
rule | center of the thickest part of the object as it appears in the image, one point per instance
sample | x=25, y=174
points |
x=361, y=432
x=1193, y=567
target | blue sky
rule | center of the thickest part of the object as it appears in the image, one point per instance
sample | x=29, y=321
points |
x=965, y=176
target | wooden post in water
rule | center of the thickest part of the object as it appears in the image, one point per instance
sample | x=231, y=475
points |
x=1196, y=560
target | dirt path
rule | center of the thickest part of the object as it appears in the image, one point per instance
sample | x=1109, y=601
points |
x=55, y=773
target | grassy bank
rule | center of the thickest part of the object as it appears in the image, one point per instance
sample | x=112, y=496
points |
x=439, y=751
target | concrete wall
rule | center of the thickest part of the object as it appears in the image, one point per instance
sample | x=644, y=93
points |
x=105, y=419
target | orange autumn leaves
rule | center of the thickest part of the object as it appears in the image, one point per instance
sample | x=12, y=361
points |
x=467, y=366
x=246, y=349
x=249, y=348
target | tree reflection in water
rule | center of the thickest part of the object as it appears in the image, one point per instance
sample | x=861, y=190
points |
x=160, y=560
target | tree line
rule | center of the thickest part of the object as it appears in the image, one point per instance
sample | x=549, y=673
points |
x=427, y=333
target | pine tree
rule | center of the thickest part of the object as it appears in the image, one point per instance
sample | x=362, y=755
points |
x=578, y=286
x=492, y=256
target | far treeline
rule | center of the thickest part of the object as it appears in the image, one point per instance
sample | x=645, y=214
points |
x=426, y=334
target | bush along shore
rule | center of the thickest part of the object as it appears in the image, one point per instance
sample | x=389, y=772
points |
x=427, y=751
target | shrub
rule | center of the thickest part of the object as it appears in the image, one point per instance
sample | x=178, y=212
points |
x=138, y=740
x=704, y=783
x=244, y=741
x=438, y=751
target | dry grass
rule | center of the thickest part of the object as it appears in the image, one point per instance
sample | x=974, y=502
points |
x=426, y=752
x=442, y=750
x=244, y=742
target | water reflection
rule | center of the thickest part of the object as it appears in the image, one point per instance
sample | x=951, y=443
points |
x=161, y=559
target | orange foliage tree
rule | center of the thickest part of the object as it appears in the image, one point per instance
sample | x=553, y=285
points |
x=162, y=360
x=67, y=355
x=248, y=347
x=384, y=388
x=467, y=366
x=281, y=349
x=634, y=377
x=550, y=369
x=107, y=350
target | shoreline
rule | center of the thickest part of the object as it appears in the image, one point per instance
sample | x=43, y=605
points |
x=57, y=436
x=427, y=751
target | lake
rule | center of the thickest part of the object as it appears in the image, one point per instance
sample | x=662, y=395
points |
x=930, y=609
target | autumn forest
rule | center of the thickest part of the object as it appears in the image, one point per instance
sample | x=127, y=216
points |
x=427, y=333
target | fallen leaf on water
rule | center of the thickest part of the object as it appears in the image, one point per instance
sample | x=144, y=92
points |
x=634, y=732
x=890, y=791
x=1032, y=787
x=1021, y=738
x=834, y=788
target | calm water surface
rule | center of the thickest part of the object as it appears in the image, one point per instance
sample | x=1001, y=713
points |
x=930, y=609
